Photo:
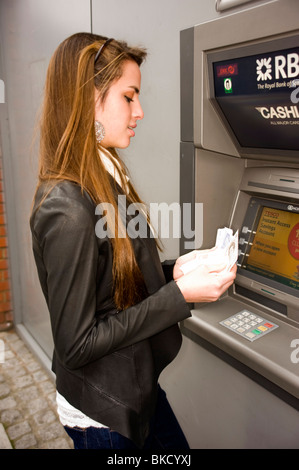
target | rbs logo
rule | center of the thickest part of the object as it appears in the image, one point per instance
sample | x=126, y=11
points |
x=284, y=67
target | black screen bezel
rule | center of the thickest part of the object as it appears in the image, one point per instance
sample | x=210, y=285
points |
x=266, y=46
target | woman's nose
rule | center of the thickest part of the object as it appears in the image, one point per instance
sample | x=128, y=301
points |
x=138, y=111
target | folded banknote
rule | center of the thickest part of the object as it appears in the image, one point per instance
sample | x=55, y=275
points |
x=224, y=252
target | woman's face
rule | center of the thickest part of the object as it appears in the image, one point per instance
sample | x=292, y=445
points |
x=121, y=109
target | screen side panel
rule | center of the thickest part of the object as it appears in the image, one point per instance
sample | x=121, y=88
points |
x=255, y=96
x=274, y=253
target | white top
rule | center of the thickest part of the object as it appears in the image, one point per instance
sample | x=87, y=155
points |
x=70, y=416
x=112, y=166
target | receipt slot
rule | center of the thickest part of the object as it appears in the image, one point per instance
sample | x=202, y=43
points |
x=240, y=159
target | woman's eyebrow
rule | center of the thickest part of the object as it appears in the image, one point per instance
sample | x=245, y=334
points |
x=135, y=88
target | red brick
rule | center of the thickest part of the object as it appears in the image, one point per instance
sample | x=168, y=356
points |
x=5, y=297
x=5, y=307
x=3, y=241
x=5, y=285
x=3, y=264
x=6, y=317
x=6, y=274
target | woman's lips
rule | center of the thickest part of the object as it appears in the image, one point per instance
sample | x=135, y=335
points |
x=131, y=131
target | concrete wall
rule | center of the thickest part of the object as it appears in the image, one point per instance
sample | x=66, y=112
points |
x=30, y=31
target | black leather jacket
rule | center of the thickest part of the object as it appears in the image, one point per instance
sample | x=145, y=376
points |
x=107, y=362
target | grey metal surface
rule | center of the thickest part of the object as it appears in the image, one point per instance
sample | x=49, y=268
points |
x=240, y=28
x=187, y=84
x=270, y=355
x=187, y=185
x=239, y=389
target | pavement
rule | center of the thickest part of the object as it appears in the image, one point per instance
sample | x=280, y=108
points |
x=28, y=416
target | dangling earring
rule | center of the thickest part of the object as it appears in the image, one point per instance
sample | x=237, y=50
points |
x=100, y=131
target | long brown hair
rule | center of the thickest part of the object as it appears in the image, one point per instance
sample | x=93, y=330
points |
x=68, y=146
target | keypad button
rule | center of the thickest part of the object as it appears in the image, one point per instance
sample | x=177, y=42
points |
x=248, y=325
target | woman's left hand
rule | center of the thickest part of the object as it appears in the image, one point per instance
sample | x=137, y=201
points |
x=177, y=272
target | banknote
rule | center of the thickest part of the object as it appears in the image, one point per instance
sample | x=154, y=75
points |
x=224, y=252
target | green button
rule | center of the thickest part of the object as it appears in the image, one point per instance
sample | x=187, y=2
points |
x=256, y=332
x=228, y=85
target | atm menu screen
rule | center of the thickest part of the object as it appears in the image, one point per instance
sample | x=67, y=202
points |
x=259, y=97
x=274, y=253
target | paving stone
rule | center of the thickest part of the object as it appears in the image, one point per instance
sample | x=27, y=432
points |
x=40, y=376
x=26, y=356
x=22, y=382
x=11, y=337
x=26, y=442
x=43, y=417
x=18, y=346
x=8, y=402
x=28, y=394
x=52, y=398
x=36, y=405
x=4, y=390
x=10, y=416
x=51, y=431
x=15, y=371
x=18, y=430
x=9, y=354
x=32, y=366
x=10, y=364
x=60, y=443
x=47, y=387
x=28, y=414
x=4, y=441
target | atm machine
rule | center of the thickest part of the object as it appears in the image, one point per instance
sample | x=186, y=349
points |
x=236, y=382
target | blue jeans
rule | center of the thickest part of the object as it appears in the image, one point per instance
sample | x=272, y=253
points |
x=165, y=433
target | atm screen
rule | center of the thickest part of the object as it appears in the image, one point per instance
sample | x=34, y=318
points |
x=258, y=96
x=274, y=252
x=269, y=244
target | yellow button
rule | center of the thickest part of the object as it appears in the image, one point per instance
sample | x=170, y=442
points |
x=262, y=328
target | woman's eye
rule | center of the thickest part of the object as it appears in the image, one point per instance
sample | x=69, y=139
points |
x=129, y=100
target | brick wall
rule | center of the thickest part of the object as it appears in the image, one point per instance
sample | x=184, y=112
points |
x=6, y=313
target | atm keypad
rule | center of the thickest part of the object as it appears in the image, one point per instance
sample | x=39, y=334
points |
x=249, y=325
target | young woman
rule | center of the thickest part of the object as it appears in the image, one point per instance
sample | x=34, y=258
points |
x=113, y=315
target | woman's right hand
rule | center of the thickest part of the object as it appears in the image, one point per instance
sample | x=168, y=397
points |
x=206, y=283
